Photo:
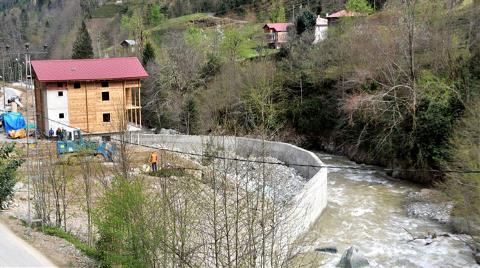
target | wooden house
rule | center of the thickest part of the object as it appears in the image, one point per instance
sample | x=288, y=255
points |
x=129, y=46
x=95, y=95
x=276, y=34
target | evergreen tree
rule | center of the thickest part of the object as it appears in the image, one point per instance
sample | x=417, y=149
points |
x=24, y=23
x=148, y=54
x=189, y=117
x=82, y=48
x=305, y=22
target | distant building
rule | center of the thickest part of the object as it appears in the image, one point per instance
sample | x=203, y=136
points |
x=277, y=34
x=321, y=28
x=94, y=95
x=334, y=17
x=129, y=46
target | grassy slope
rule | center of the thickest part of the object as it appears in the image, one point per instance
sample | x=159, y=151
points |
x=197, y=28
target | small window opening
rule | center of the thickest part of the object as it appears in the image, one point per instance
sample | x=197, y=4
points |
x=106, y=118
x=105, y=84
x=61, y=115
x=106, y=138
x=60, y=93
x=76, y=85
x=105, y=96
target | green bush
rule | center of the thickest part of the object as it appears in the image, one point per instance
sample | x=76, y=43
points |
x=168, y=172
x=127, y=237
x=8, y=166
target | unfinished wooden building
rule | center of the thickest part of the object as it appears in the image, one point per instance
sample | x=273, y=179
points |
x=96, y=96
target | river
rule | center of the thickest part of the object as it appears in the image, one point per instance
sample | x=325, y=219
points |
x=367, y=209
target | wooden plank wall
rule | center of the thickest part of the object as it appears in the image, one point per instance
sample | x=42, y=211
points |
x=86, y=107
x=40, y=113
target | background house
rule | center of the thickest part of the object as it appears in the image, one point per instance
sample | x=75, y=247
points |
x=334, y=17
x=129, y=46
x=277, y=34
x=321, y=28
x=95, y=95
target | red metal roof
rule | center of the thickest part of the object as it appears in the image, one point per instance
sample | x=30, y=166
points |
x=344, y=13
x=279, y=27
x=88, y=69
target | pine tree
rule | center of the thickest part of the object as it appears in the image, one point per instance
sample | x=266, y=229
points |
x=189, y=117
x=305, y=21
x=82, y=48
x=148, y=54
x=24, y=23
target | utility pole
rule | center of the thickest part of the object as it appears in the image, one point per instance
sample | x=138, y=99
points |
x=30, y=99
x=7, y=47
x=30, y=89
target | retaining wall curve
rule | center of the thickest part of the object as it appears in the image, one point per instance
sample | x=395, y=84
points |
x=306, y=206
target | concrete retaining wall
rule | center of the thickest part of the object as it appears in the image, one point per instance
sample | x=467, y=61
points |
x=307, y=205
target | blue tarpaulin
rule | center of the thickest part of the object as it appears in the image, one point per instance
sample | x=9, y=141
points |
x=13, y=121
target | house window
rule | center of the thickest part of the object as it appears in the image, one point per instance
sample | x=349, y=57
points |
x=76, y=85
x=106, y=138
x=105, y=84
x=105, y=96
x=61, y=115
x=60, y=93
x=106, y=117
x=59, y=84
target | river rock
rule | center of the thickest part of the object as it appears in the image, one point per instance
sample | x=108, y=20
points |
x=477, y=258
x=352, y=258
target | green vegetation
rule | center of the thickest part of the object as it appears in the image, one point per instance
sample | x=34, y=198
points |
x=8, y=167
x=361, y=6
x=305, y=22
x=148, y=54
x=82, y=48
x=168, y=172
x=178, y=23
x=128, y=236
x=80, y=245
x=107, y=11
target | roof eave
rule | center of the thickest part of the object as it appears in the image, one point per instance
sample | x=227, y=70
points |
x=99, y=79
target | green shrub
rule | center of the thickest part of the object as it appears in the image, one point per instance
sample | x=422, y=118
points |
x=168, y=172
x=8, y=166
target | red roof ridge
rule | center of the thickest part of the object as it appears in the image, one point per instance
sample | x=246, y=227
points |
x=96, y=59
x=279, y=26
x=88, y=69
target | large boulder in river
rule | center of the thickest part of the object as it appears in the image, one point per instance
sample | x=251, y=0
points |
x=351, y=258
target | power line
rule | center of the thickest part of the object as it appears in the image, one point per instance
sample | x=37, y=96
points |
x=344, y=167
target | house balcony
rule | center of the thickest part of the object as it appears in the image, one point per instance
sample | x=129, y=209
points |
x=271, y=38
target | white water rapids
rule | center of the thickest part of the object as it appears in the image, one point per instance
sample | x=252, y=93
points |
x=367, y=209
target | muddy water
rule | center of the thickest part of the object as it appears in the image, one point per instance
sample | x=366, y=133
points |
x=366, y=209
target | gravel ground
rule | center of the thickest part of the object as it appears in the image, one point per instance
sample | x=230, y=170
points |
x=429, y=204
x=281, y=182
